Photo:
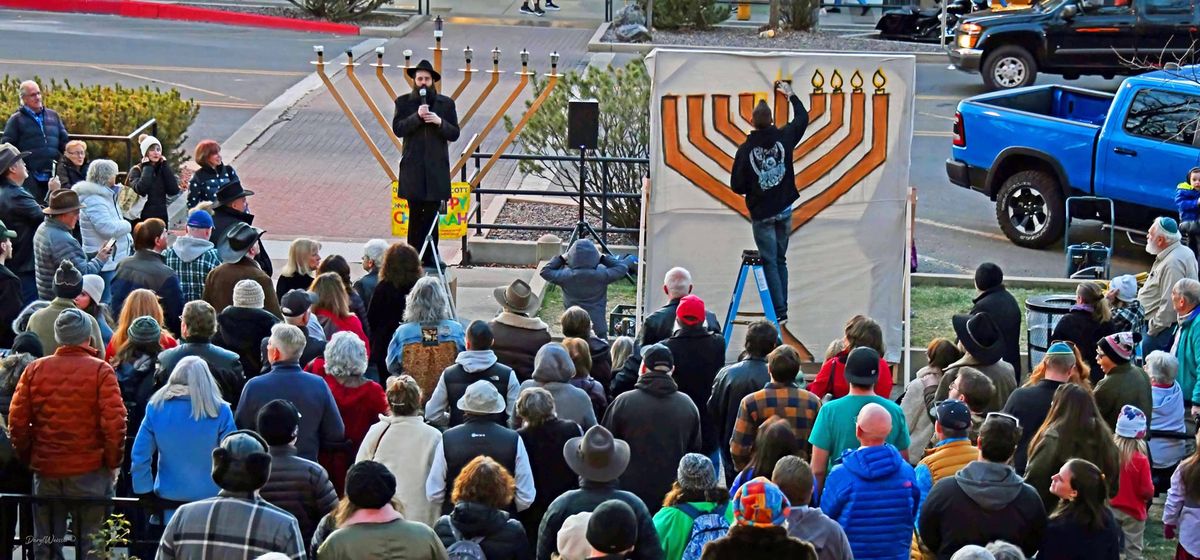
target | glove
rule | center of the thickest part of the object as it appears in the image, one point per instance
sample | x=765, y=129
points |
x=1169, y=532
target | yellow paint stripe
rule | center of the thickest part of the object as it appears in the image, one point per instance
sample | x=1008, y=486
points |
x=939, y=98
x=228, y=105
x=148, y=68
x=961, y=229
x=167, y=82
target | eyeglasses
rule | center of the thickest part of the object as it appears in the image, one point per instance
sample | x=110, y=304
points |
x=1002, y=415
x=76, y=152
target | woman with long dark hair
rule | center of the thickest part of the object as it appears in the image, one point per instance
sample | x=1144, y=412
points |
x=860, y=330
x=775, y=441
x=1081, y=527
x=398, y=272
x=1073, y=430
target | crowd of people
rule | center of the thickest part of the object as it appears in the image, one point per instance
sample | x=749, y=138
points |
x=306, y=414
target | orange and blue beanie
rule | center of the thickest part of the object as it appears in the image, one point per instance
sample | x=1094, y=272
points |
x=760, y=503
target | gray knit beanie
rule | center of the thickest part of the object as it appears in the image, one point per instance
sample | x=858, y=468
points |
x=144, y=330
x=247, y=293
x=72, y=328
x=68, y=282
x=696, y=472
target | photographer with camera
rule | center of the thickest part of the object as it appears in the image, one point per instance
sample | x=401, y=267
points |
x=428, y=122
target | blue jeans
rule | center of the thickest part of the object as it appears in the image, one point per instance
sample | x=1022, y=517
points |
x=771, y=235
x=106, y=299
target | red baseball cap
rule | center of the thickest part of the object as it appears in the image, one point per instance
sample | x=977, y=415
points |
x=690, y=311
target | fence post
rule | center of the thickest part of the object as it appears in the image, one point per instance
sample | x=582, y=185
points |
x=604, y=202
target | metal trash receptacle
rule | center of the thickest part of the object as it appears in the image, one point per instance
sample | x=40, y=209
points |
x=1042, y=314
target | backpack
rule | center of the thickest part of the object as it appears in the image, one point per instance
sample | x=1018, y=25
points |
x=707, y=526
x=463, y=549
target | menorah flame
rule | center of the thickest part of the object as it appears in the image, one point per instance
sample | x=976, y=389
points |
x=828, y=108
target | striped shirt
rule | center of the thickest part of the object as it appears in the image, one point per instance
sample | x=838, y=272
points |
x=232, y=526
x=797, y=406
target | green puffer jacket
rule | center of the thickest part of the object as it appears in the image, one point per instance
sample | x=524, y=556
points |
x=1187, y=351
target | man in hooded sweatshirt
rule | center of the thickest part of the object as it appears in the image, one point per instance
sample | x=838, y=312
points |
x=478, y=362
x=762, y=171
x=985, y=501
x=659, y=423
x=193, y=256
x=873, y=493
x=584, y=275
x=553, y=370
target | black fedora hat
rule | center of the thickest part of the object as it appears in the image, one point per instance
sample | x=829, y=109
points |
x=9, y=156
x=238, y=241
x=980, y=336
x=426, y=66
x=230, y=192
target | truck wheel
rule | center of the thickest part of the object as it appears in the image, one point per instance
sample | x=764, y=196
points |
x=1009, y=67
x=1030, y=209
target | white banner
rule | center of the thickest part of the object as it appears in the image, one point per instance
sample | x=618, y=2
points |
x=847, y=253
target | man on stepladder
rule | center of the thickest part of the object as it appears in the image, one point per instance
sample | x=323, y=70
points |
x=428, y=123
x=762, y=171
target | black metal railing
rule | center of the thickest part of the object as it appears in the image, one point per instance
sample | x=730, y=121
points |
x=142, y=539
x=605, y=195
x=130, y=140
x=871, y=8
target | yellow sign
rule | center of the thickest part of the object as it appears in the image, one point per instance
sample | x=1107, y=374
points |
x=453, y=224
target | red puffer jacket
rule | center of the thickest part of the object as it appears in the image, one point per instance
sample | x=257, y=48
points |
x=67, y=416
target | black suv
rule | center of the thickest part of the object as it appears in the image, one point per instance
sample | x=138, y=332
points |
x=1073, y=38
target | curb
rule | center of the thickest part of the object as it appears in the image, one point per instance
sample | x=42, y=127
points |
x=155, y=10
x=595, y=45
x=395, y=32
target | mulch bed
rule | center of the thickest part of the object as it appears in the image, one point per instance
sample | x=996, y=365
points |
x=546, y=214
x=373, y=20
x=787, y=39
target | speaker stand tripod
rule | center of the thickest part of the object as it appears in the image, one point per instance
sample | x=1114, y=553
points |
x=438, y=265
x=582, y=228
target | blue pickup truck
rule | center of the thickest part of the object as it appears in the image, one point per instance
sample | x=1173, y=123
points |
x=1028, y=149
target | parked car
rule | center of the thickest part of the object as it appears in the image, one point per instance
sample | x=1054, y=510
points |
x=1028, y=149
x=1072, y=38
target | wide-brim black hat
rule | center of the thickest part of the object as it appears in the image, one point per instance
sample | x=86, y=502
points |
x=230, y=192
x=10, y=155
x=597, y=455
x=426, y=66
x=980, y=336
x=238, y=241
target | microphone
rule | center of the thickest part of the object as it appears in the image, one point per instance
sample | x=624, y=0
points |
x=424, y=93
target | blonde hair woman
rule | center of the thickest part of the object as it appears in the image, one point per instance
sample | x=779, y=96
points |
x=304, y=256
x=139, y=303
x=332, y=307
x=1089, y=320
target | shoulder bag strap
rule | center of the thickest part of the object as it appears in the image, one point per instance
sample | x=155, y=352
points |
x=380, y=440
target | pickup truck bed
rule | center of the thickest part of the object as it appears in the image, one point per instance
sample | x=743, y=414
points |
x=1083, y=106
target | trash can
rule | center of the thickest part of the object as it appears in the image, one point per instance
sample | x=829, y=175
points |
x=1042, y=314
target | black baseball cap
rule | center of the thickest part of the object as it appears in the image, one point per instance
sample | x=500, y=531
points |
x=953, y=414
x=657, y=357
x=295, y=303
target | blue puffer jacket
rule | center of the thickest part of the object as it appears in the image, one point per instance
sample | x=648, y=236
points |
x=1187, y=199
x=873, y=494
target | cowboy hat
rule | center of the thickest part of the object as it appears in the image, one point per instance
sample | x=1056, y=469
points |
x=597, y=455
x=9, y=155
x=425, y=66
x=518, y=297
x=980, y=336
x=238, y=241
x=62, y=201
x=230, y=192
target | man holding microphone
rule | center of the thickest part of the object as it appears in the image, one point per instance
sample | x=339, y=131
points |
x=428, y=123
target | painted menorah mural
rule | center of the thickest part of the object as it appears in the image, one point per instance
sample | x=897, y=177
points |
x=846, y=250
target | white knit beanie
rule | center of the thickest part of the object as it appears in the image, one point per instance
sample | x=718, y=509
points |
x=147, y=142
x=247, y=293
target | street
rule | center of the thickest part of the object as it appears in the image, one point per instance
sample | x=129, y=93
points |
x=234, y=71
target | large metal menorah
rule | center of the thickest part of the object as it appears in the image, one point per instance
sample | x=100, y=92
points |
x=826, y=108
x=467, y=73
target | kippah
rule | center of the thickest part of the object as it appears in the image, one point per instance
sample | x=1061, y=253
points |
x=1168, y=225
x=1059, y=348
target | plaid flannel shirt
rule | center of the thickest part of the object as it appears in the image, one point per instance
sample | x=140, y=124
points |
x=192, y=274
x=1129, y=318
x=231, y=526
x=795, y=405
